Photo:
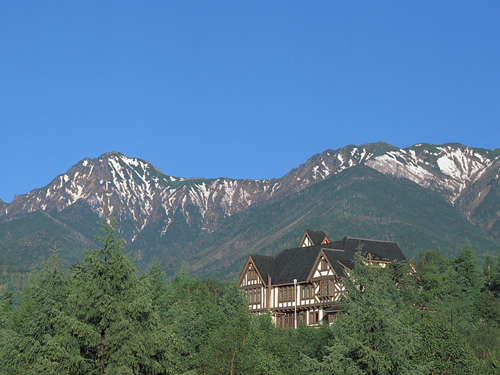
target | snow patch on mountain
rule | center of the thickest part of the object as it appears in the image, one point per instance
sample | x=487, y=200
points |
x=137, y=191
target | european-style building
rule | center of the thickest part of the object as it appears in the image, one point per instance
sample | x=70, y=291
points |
x=304, y=284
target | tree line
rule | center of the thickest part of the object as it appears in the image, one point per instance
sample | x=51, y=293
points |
x=103, y=316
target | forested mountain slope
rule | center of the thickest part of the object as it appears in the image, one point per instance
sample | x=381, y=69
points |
x=423, y=196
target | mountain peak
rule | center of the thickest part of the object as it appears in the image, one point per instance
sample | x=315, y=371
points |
x=136, y=189
x=162, y=215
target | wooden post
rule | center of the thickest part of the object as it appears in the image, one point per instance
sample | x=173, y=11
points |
x=268, y=296
x=295, y=290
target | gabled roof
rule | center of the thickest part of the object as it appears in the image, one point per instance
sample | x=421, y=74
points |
x=386, y=251
x=339, y=259
x=297, y=263
x=294, y=264
x=317, y=237
x=264, y=265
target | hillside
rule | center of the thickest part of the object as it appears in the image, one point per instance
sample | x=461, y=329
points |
x=423, y=196
x=357, y=202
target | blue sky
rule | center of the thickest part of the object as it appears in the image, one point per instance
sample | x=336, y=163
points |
x=239, y=89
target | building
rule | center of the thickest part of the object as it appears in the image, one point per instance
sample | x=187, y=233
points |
x=304, y=284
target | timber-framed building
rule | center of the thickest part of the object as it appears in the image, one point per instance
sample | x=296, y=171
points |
x=304, y=284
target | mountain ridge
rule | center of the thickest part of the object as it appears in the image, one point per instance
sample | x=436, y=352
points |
x=162, y=215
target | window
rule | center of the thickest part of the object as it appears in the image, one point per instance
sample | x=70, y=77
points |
x=323, y=288
x=302, y=318
x=252, y=274
x=327, y=288
x=313, y=317
x=253, y=295
x=332, y=317
x=286, y=321
x=286, y=294
x=307, y=291
x=331, y=287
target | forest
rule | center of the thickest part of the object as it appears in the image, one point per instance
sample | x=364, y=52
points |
x=103, y=316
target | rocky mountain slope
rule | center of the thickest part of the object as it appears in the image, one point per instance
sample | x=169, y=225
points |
x=359, y=202
x=163, y=215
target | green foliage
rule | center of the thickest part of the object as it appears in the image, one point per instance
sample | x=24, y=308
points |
x=495, y=277
x=456, y=321
x=104, y=317
x=98, y=319
x=445, y=348
x=359, y=202
x=32, y=340
x=114, y=311
x=373, y=334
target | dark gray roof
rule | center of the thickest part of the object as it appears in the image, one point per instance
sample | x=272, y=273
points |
x=294, y=264
x=387, y=251
x=339, y=259
x=297, y=263
x=264, y=265
x=316, y=236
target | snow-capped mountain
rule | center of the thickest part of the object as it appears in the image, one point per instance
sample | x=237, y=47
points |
x=447, y=169
x=420, y=196
x=135, y=191
x=463, y=175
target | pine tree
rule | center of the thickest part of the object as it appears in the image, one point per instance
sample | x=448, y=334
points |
x=464, y=281
x=35, y=342
x=113, y=317
x=488, y=270
x=373, y=334
x=495, y=277
x=447, y=350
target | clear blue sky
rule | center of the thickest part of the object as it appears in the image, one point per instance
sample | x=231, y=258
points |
x=240, y=89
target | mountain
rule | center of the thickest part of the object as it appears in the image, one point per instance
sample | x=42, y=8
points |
x=208, y=223
x=358, y=202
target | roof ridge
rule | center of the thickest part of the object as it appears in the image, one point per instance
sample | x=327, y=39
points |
x=332, y=249
x=369, y=239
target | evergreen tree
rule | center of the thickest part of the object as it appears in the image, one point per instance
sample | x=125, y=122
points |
x=464, y=280
x=445, y=348
x=488, y=270
x=495, y=277
x=373, y=334
x=486, y=340
x=35, y=342
x=113, y=317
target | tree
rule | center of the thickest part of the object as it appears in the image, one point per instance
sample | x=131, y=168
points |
x=444, y=347
x=464, y=281
x=373, y=334
x=113, y=318
x=35, y=342
x=495, y=277
x=489, y=270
